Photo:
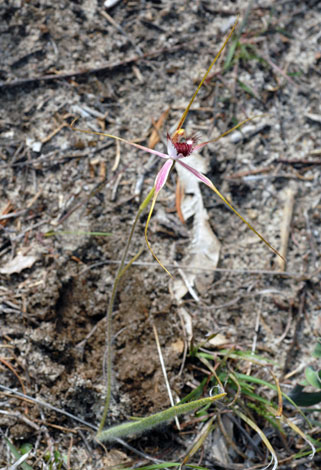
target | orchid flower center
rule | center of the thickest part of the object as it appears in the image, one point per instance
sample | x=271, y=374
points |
x=179, y=146
x=184, y=148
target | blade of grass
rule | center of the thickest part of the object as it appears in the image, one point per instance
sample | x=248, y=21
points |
x=230, y=54
x=296, y=429
x=19, y=456
x=248, y=89
x=163, y=465
x=199, y=441
x=262, y=436
x=52, y=233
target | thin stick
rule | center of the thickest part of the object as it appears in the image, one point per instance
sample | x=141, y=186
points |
x=162, y=363
x=120, y=29
x=285, y=228
x=47, y=405
x=256, y=332
x=235, y=272
x=117, y=158
x=104, y=67
x=75, y=418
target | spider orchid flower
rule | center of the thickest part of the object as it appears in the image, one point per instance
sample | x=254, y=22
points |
x=177, y=151
x=179, y=148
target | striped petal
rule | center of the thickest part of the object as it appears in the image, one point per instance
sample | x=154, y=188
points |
x=209, y=183
x=162, y=175
x=198, y=175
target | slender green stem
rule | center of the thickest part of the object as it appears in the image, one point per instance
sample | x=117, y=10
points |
x=121, y=270
x=133, y=259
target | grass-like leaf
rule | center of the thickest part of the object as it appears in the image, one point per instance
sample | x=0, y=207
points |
x=18, y=455
x=52, y=233
x=159, y=466
x=296, y=429
x=199, y=441
x=144, y=424
x=248, y=89
x=262, y=436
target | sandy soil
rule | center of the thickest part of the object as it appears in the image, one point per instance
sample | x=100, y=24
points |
x=121, y=72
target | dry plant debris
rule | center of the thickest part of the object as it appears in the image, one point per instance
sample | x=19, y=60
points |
x=60, y=191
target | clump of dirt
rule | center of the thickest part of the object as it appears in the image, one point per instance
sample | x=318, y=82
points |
x=136, y=359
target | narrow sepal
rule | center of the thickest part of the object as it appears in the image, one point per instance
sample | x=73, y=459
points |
x=209, y=183
x=115, y=137
x=199, y=146
x=181, y=122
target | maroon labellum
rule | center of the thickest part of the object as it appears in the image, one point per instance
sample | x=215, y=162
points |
x=187, y=147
